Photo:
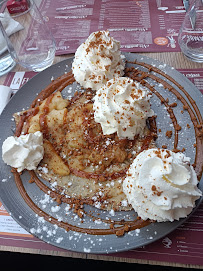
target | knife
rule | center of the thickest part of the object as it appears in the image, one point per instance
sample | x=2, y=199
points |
x=186, y=4
x=192, y=15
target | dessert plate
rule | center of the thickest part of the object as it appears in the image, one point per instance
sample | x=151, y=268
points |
x=186, y=104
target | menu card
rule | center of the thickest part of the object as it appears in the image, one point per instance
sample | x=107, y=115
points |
x=184, y=245
x=140, y=26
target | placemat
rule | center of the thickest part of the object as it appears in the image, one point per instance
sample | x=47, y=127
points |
x=140, y=26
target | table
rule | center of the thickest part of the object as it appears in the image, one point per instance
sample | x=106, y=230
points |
x=175, y=59
x=178, y=61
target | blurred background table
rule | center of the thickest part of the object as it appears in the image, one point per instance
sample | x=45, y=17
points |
x=178, y=61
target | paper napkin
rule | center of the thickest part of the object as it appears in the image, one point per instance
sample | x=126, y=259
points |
x=5, y=95
x=11, y=26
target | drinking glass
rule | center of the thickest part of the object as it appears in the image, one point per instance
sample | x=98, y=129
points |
x=33, y=47
x=191, y=32
x=6, y=62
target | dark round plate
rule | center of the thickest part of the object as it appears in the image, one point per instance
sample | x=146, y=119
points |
x=81, y=242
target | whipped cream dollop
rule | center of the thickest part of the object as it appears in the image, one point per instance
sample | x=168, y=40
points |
x=97, y=60
x=161, y=185
x=122, y=106
x=23, y=152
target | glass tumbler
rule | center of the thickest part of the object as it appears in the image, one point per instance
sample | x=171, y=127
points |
x=6, y=61
x=33, y=47
x=190, y=36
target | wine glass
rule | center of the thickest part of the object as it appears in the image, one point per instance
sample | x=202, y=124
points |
x=33, y=47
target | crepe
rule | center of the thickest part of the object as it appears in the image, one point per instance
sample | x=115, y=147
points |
x=79, y=160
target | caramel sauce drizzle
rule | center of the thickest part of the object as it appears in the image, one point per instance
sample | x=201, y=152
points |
x=66, y=79
x=197, y=121
x=58, y=84
x=99, y=176
x=131, y=225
